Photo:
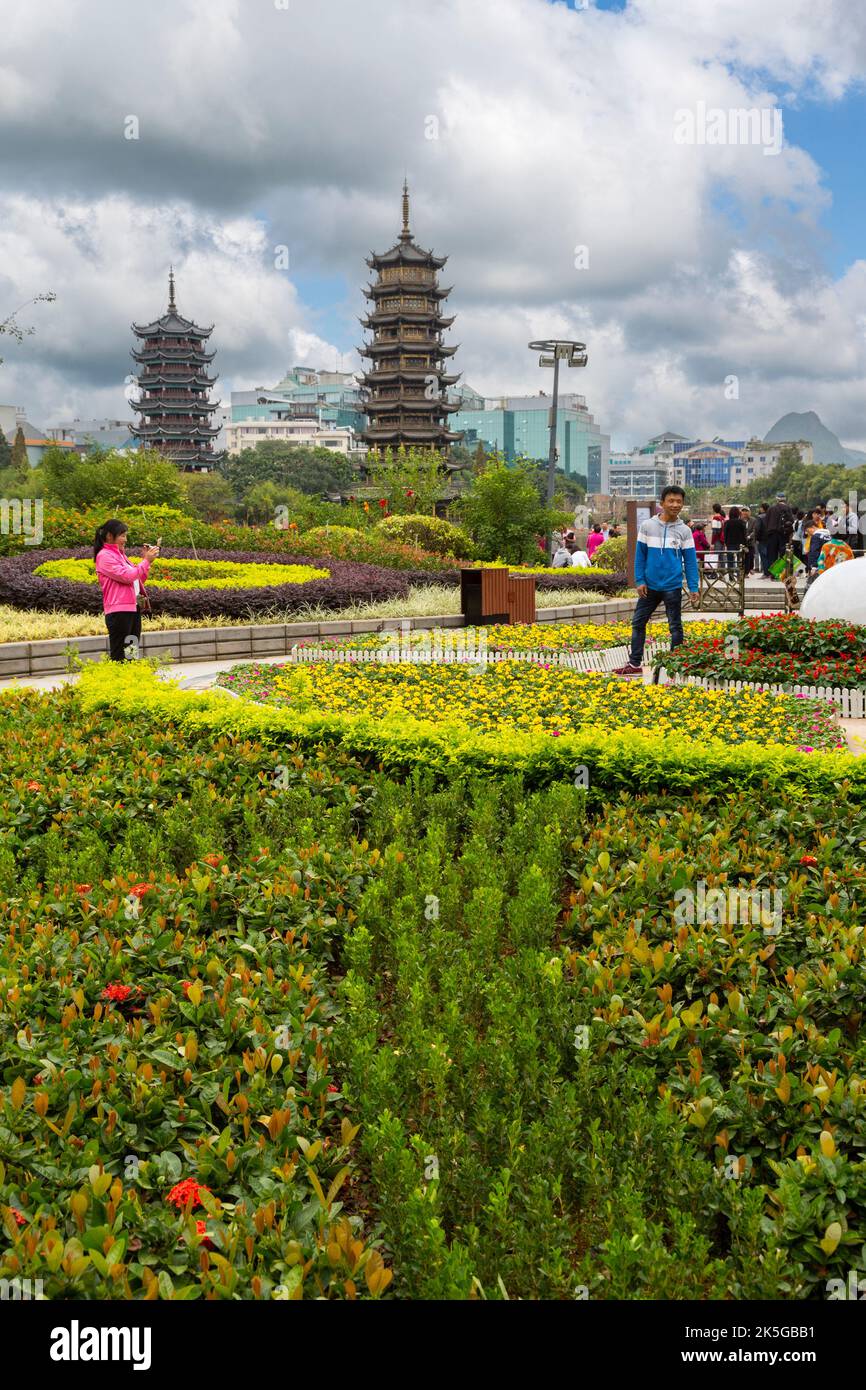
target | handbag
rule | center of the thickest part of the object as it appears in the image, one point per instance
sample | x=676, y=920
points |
x=143, y=601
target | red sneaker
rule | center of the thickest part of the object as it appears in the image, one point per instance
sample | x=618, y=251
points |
x=627, y=670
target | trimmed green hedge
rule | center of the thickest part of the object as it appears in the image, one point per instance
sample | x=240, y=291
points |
x=613, y=761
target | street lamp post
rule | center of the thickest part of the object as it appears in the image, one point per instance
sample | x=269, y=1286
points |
x=552, y=351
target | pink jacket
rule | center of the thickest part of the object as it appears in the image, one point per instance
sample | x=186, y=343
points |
x=117, y=575
x=595, y=540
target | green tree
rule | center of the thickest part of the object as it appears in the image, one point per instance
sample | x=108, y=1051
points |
x=310, y=470
x=106, y=478
x=503, y=512
x=260, y=503
x=20, y=462
x=208, y=495
x=5, y=452
x=411, y=480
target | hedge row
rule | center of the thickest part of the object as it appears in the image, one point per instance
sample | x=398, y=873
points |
x=610, y=760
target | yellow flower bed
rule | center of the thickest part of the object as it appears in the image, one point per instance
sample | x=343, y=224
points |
x=537, y=699
x=521, y=637
x=193, y=574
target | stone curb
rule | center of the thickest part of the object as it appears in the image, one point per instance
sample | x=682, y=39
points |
x=49, y=657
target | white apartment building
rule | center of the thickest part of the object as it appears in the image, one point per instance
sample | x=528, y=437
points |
x=246, y=434
x=758, y=460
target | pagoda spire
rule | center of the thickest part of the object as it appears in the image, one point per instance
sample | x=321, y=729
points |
x=405, y=235
x=405, y=389
x=175, y=405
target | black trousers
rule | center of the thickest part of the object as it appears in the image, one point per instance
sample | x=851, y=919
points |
x=120, y=627
x=775, y=547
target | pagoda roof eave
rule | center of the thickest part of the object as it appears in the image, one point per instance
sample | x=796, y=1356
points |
x=172, y=324
x=406, y=253
x=385, y=317
x=406, y=373
x=164, y=354
x=404, y=345
x=383, y=287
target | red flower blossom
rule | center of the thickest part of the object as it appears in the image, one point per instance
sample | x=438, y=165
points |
x=201, y=1230
x=18, y=1216
x=213, y=860
x=37, y=1080
x=118, y=994
x=138, y=890
x=185, y=1194
x=34, y=786
x=331, y=1087
x=808, y=859
x=83, y=887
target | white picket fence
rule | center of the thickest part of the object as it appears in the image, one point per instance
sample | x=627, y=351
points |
x=851, y=704
x=467, y=655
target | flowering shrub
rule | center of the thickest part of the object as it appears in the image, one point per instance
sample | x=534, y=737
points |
x=22, y=587
x=431, y=533
x=511, y=637
x=455, y=1019
x=404, y=743
x=132, y=1108
x=611, y=554
x=347, y=543
x=778, y=649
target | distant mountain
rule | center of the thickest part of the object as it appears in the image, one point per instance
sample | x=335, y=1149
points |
x=826, y=445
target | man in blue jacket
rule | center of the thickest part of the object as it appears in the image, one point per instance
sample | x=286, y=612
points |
x=665, y=546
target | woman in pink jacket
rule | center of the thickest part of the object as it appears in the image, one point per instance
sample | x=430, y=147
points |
x=594, y=540
x=120, y=581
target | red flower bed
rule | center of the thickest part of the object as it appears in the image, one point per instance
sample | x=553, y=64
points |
x=777, y=650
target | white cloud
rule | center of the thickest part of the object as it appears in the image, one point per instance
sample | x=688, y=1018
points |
x=262, y=127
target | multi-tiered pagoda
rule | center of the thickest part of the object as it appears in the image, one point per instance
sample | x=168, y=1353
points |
x=173, y=376
x=404, y=389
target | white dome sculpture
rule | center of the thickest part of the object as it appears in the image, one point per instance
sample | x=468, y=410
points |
x=838, y=593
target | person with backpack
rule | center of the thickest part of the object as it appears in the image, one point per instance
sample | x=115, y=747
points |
x=779, y=529
x=761, y=539
x=665, y=547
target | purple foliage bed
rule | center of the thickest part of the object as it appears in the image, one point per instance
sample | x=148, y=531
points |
x=348, y=582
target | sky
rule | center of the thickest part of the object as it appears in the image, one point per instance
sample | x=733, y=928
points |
x=581, y=164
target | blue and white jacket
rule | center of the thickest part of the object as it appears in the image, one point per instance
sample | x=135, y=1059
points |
x=663, y=548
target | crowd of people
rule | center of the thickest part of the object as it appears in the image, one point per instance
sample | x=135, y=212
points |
x=567, y=551
x=819, y=537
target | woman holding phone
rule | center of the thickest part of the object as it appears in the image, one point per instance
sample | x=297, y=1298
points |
x=121, y=584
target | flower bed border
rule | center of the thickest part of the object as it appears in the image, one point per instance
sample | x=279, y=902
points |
x=611, y=761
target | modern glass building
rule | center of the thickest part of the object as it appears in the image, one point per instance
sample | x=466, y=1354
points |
x=333, y=397
x=519, y=427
